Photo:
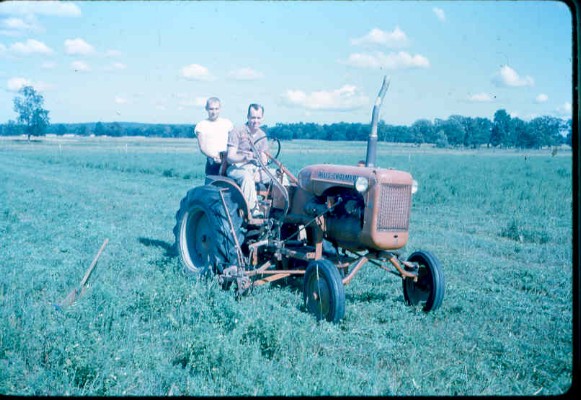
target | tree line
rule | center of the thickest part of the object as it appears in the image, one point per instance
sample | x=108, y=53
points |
x=455, y=131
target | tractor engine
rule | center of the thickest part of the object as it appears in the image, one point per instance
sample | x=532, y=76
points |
x=364, y=207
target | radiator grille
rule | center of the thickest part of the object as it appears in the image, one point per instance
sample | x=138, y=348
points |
x=394, y=207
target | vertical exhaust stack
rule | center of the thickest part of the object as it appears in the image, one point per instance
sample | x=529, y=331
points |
x=372, y=141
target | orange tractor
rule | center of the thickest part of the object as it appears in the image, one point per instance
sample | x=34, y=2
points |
x=324, y=224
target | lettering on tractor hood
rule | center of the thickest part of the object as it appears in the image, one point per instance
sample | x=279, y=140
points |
x=337, y=176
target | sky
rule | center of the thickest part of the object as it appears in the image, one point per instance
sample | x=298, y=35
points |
x=304, y=61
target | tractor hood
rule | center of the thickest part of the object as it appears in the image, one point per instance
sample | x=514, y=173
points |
x=318, y=178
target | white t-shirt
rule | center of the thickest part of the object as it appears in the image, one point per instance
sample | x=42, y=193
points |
x=213, y=136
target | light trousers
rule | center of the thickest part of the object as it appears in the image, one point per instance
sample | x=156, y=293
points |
x=246, y=176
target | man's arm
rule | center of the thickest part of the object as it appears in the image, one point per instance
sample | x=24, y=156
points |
x=262, y=148
x=263, y=157
x=234, y=157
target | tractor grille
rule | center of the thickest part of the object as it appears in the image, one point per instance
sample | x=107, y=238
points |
x=394, y=207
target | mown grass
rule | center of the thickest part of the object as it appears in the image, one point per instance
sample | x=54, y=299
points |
x=499, y=221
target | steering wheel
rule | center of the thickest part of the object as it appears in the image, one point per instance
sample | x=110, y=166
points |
x=273, y=147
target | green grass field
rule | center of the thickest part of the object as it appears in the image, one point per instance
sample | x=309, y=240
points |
x=499, y=221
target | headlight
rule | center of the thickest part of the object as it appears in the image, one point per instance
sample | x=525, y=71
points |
x=304, y=178
x=361, y=184
x=414, y=186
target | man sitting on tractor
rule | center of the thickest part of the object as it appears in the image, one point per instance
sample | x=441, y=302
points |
x=244, y=167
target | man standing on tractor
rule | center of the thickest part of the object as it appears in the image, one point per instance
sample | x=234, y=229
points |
x=212, y=134
x=244, y=167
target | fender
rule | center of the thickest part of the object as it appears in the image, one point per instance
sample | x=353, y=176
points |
x=237, y=196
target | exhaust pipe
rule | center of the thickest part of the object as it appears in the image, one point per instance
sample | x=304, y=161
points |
x=372, y=140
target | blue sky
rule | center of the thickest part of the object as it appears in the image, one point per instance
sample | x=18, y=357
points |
x=322, y=62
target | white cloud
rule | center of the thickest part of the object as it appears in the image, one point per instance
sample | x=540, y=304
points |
x=195, y=72
x=439, y=13
x=120, y=100
x=245, y=74
x=396, y=38
x=80, y=66
x=15, y=84
x=346, y=98
x=480, y=98
x=49, y=8
x=541, y=98
x=113, y=53
x=3, y=49
x=14, y=23
x=31, y=46
x=116, y=66
x=78, y=47
x=393, y=61
x=18, y=26
x=509, y=77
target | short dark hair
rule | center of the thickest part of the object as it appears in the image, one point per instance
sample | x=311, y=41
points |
x=255, y=106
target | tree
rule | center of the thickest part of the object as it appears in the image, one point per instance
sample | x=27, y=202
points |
x=99, y=129
x=116, y=130
x=60, y=129
x=453, y=128
x=568, y=130
x=11, y=129
x=525, y=138
x=83, y=130
x=423, y=131
x=546, y=130
x=398, y=134
x=441, y=139
x=31, y=114
x=477, y=132
x=500, y=131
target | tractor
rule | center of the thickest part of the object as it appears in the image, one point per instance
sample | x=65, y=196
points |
x=323, y=225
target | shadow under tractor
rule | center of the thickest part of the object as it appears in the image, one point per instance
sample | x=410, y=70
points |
x=323, y=225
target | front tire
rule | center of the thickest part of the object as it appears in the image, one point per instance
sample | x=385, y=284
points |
x=430, y=287
x=203, y=239
x=323, y=291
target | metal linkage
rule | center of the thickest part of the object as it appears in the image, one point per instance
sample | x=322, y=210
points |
x=397, y=263
x=239, y=253
x=358, y=264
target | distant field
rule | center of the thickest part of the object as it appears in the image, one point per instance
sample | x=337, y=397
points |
x=499, y=221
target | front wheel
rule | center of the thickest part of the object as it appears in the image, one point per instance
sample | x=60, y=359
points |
x=323, y=291
x=429, y=288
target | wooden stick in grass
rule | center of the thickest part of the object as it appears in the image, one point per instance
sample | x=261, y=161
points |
x=76, y=292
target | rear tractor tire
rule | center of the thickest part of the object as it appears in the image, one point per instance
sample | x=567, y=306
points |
x=430, y=286
x=203, y=239
x=323, y=291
